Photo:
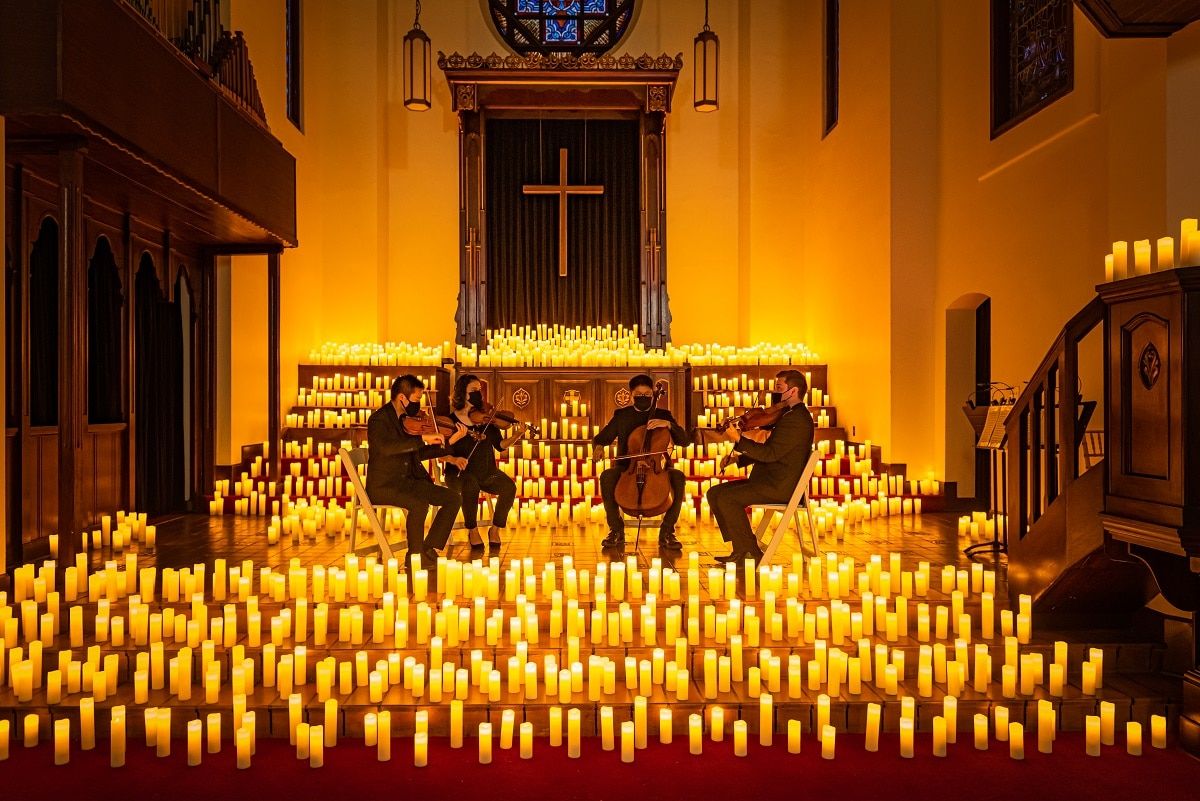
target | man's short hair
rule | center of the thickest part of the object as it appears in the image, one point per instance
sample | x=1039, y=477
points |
x=641, y=380
x=794, y=378
x=405, y=384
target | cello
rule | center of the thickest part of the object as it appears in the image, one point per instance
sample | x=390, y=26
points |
x=644, y=489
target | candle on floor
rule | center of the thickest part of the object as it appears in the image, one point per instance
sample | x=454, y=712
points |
x=116, y=737
x=1158, y=731
x=62, y=741
x=627, y=741
x=828, y=742
x=1016, y=740
x=383, y=745
x=573, y=733
x=906, y=738
x=194, y=734
x=665, y=724
x=981, y=732
x=716, y=723
x=242, y=742
x=214, y=732
x=370, y=729
x=485, y=743
x=766, y=719
x=1092, y=734
x=507, y=723
x=316, y=746
x=874, y=713
x=1001, y=715
x=31, y=730
x=793, y=730
x=1108, y=723
x=739, y=738
x=526, y=740
x=1133, y=738
x=420, y=749
x=695, y=734
x=162, y=732
x=87, y=724
x=939, y=736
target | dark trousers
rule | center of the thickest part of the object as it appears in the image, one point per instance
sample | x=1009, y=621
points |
x=608, y=488
x=495, y=483
x=728, y=502
x=416, y=496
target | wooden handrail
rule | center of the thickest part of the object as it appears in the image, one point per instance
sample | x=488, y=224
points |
x=1044, y=430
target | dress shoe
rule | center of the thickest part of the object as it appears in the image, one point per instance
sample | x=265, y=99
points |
x=429, y=558
x=615, y=539
x=474, y=539
x=494, y=537
x=668, y=542
x=739, y=556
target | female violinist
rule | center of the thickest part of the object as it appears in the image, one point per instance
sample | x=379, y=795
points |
x=480, y=472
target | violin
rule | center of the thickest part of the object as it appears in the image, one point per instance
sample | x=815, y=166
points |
x=490, y=415
x=752, y=424
x=423, y=424
x=644, y=489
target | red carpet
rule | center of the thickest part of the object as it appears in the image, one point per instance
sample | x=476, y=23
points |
x=659, y=772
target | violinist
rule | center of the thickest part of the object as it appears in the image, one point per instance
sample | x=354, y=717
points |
x=478, y=471
x=623, y=423
x=396, y=477
x=776, y=465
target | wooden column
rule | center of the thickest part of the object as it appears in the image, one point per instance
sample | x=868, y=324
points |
x=205, y=399
x=72, y=334
x=472, y=288
x=273, y=369
x=6, y=531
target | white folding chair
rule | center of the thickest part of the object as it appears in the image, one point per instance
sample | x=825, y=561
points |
x=787, y=512
x=351, y=461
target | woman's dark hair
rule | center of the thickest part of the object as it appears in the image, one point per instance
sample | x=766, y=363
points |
x=458, y=395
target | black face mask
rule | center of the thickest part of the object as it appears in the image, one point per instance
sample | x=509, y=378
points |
x=642, y=402
x=776, y=397
x=475, y=399
x=413, y=408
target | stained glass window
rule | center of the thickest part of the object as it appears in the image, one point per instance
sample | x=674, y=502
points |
x=561, y=26
x=1033, y=58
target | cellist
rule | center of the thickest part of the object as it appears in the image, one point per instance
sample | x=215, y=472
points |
x=623, y=423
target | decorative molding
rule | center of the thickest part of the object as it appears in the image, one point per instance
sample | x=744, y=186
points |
x=658, y=98
x=560, y=61
x=465, y=98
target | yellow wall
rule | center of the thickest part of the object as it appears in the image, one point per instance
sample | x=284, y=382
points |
x=855, y=242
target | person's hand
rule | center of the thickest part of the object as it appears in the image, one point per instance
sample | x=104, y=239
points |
x=733, y=434
x=658, y=423
x=433, y=439
x=458, y=461
x=460, y=431
x=597, y=453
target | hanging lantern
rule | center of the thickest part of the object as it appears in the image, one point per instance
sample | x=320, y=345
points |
x=416, y=67
x=706, y=64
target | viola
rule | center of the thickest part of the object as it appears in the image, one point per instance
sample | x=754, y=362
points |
x=644, y=489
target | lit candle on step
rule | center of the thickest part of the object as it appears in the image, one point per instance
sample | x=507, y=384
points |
x=573, y=733
x=1133, y=738
x=1089, y=679
x=627, y=741
x=1166, y=253
x=739, y=738
x=526, y=740
x=242, y=741
x=906, y=738
x=456, y=723
x=1158, y=731
x=794, y=736
x=766, y=719
x=1141, y=257
x=1120, y=260
x=665, y=731
x=828, y=742
x=695, y=734
x=420, y=749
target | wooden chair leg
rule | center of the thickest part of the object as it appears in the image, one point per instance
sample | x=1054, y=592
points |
x=776, y=538
x=812, y=529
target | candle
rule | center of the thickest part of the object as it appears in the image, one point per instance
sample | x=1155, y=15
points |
x=456, y=723
x=828, y=741
x=1089, y=679
x=766, y=719
x=665, y=732
x=627, y=741
x=62, y=741
x=87, y=724
x=717, y=724
x=1107, y=723
x=526, y=740
x=242, y=742
x=31, y=730
x=1141, y=257
x=485, y=743
x=214, y=732
x=316, y=746
x=939, y=736
x=1166, y=253
x=695, y=734
x=981, y=732
x=1120, y=260
x=906, y=737
x=739, y=738
x=573, y=733
x=1092, y=735
x=793, y=736
x=194, y=734
x=1016, y=740
x=1133, y=738
x=420, y=749
x=1158, y=731
x=383, y=745
x=116, y=737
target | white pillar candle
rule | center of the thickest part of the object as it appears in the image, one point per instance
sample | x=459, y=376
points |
x=665, y=724
x=627, y=741
x=1016, y=740
x=420, y=749
x=526, y=740
x=242, y=742
x=1092, y=735
x=828, y=742
x=383, y=744
x=116, y=737
x=1133, y=738
x=695, y=734
x=485, y=743
x=573, y=749
x=1158, y=731
x=62, y=741
x=194, y=736
x=981, y=732
x=739, y=738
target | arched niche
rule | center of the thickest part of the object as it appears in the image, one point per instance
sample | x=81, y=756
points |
x=106, y=340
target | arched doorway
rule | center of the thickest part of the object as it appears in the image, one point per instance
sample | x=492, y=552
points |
x=968, y=382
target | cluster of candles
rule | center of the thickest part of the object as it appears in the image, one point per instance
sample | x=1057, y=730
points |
x=130, y=532
x=608, y=346
x=704, y=641
x=1162, y=256
x=387, y=354
x=981, y=526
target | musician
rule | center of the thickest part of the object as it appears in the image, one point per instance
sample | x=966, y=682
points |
x=396, y=477
x=622, y=424
x=776, y=466
x=479, y=454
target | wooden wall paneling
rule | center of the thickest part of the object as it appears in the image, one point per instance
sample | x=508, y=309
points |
x=72, y=331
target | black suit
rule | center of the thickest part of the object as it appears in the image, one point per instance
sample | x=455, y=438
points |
x=777, y=465
x=396, y=477
x=623, y=423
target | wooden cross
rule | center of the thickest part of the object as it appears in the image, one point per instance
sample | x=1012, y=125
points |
x=563, y=190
